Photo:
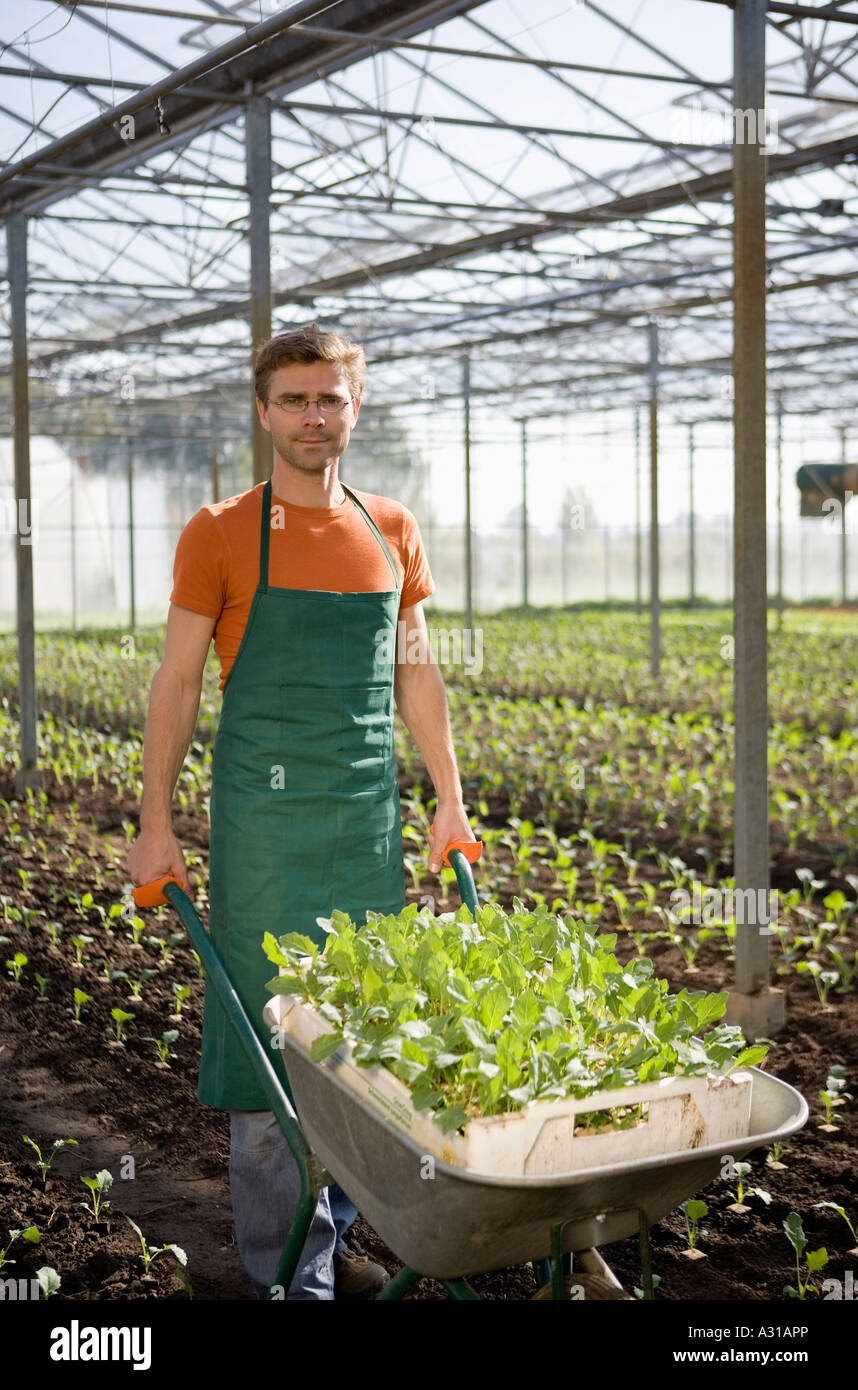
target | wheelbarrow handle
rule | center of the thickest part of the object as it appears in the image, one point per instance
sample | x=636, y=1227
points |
x=152, y=894
x=472, y=850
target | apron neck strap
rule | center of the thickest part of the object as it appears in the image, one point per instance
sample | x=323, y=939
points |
x=379, y=536
x=265, y=534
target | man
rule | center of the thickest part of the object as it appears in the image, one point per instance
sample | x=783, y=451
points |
x=306, y=586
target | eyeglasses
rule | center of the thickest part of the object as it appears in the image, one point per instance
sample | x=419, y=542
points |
x=296, y=405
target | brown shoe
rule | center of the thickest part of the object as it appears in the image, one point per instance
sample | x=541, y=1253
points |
x=356, y=1277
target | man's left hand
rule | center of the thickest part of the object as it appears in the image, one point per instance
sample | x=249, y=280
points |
x=450, y=823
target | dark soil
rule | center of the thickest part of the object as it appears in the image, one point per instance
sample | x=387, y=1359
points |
x=62, y=1080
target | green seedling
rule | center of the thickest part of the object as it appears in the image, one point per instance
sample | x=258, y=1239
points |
x=742, y=1170
x=838, y=905
x=101, y=1183
x=151, y=1252
x=82, y=1001
x=49, y=1281
x=200, y=970
x=163, y=1045
x=182, y=993
x=136, y=926
x=166, y=947
x=44, y=1164
x=809, y=884
x=80, y=943
x=775, y=1155
x=694, y=1212
x=42, y=982
x=814, y=1260
x=31, y=1234
x=835, y=1094
x=824, y=980
x=54, y=930
x=137, y=985
x=120, y=1018
x=15, y=966
x=845, y=968
x=833, y=1206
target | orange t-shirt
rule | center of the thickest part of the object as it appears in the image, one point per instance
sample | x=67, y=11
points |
x=216, y=566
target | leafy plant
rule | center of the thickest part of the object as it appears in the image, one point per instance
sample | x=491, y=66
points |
x=181, y=993
x=163, y=1045
x=834, y=1206
x=835, y=1093
x=152, y=1252
x=120, y=1018
x=741, y=1192
x=824, y=980
x=814, y=1260
x=775, y=1155
x=44, y=1164
x=694, y=1212
x=15, y=966
x=82, y=1000
x=42, y=982
x=79, y=944
x=101, y=1183
x=482, y=1017
x=30, y=1233
x=49, y=1281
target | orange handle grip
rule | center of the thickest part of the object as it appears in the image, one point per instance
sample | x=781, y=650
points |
x=152, y=894
x=472, y=850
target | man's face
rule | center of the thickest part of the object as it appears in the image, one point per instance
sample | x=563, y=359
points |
x=308, y=439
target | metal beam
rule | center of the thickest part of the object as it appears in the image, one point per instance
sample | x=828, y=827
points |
x=257, y=128
x=525, y=558
x=692, y=564
x=469, y=562
x=654, y=563
x=257, y=57
x=28, y=774
x=751, y=800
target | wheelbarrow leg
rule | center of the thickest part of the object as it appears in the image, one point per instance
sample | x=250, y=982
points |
x=399, y=1285
x=459, y=1289
x=313, y=1178
x=646, y=1255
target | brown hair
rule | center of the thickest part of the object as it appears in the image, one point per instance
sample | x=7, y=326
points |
x=309, y=344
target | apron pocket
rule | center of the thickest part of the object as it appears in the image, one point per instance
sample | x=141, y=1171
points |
x=336, y=737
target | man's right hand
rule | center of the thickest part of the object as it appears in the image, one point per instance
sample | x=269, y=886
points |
x=154, y=854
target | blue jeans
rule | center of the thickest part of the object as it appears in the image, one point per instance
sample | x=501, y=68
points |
x=265, y=1187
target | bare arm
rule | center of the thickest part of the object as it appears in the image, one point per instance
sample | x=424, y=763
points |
x=174, y=702
x=422, y=701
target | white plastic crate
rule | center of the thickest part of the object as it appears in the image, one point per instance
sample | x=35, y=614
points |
x=544, y=1138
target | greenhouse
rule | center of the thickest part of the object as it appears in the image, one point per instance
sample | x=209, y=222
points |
x=428, y=603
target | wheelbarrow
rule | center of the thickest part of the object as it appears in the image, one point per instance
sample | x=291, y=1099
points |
x=443, y=1221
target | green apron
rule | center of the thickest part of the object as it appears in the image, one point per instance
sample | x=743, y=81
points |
x=304, y=810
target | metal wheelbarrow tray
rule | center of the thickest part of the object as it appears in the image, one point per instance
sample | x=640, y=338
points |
x=448, y=1222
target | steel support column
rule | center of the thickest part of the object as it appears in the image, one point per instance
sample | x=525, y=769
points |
x=28, y=774
x=654, y=565
x=752, y=1005
x=525, y=558
x=257, y=138
x=132, y=566
x=844, y=563
x=780, y=542
x=638, y=554
x=692, y=566
x=469, y=559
